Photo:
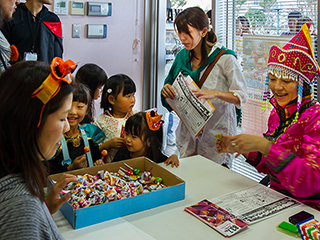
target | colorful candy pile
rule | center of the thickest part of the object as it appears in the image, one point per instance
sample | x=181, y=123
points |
x=109, y=186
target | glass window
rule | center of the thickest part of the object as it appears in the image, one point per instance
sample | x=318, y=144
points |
x=237, y=20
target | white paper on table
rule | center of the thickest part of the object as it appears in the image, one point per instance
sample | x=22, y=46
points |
x=194, y=113
x=255, y=203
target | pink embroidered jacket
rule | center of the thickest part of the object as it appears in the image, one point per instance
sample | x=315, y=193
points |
x=293, y=161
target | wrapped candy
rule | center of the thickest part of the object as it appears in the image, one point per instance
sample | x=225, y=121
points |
x=219, y=136
x=108, y=186
x=103, y=154
x=135, y=171
x=86, y=149
x=84, y=202
x=158, y=180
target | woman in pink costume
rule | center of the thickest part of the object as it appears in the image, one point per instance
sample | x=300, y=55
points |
x=290, y=150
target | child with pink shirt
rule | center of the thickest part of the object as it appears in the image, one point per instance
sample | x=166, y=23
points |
x=117, y=101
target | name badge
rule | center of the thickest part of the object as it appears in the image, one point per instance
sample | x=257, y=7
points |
x=29, y=56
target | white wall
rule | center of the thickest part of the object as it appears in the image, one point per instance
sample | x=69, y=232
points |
x=114, y=53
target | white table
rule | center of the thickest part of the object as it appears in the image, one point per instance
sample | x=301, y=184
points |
x=204, y=180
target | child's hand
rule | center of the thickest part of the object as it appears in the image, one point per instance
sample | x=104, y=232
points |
x=116, y=142
x=98, y=162
x=168, y=92
x=53, y=200
x=79, y=162
x=173, y=160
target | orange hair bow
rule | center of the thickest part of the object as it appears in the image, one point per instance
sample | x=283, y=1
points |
x=154, y=120
x=60, y=71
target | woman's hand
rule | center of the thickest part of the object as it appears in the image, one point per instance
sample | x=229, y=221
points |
x=221, y=146
x=173, y=160
x=207, y=94
x=229, y=97
x=243, y=144
x=168, y=92
x=53, y=200
x=79, y=162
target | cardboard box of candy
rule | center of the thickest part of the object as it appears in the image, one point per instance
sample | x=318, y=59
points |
x=174, y=190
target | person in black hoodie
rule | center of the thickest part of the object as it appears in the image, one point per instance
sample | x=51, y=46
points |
x=35, y=31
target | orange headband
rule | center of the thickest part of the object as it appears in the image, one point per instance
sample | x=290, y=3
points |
x=60, y=71
x=154, y=122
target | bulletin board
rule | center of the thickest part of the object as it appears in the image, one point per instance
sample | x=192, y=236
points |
x=255, y=52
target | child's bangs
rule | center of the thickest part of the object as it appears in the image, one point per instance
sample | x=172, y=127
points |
x=135, y=127
x=128, y=87
x=181, y=24
x=81, y=95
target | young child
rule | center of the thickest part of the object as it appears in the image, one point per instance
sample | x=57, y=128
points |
x=71, y=154
x=94, y=77
x=117, y=101
x=143, y=137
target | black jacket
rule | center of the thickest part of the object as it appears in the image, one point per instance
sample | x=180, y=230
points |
x=44, y=32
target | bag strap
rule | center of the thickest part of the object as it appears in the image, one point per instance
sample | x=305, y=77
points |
x=209, y=68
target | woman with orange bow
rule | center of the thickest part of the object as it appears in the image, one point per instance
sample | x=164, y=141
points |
x=34, y=103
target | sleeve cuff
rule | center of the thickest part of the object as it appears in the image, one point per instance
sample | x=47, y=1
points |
x=242, y=101
x=254, y=158
x=278, y=157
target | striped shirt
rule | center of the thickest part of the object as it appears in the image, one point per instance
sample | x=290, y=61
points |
x=5, y=52
x=23, y=216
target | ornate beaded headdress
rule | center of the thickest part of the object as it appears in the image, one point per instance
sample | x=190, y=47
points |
x=294, y=61
x=154, y=120
x=60, y=71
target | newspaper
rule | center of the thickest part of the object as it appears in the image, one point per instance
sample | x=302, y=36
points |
x=194, y=113
x=255, y=203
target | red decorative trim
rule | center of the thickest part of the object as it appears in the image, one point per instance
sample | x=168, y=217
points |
x=55, y=28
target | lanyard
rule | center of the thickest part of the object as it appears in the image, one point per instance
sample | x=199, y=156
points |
x=86, y=144
x=65, y=151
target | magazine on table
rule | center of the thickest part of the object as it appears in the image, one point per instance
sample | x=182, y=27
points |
x=216, y=217
x=193, y=112
x=255, y=203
